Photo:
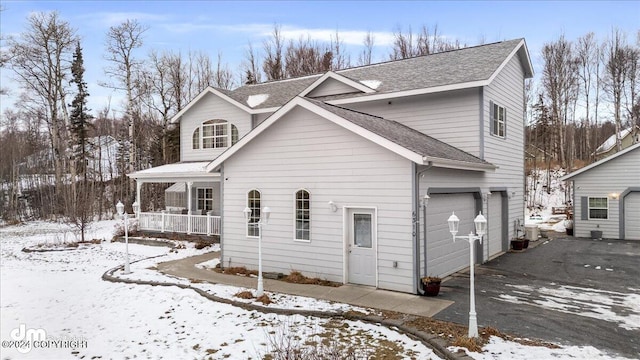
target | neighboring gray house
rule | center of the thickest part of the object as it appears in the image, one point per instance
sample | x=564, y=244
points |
x=606, y=196
x=345, y=160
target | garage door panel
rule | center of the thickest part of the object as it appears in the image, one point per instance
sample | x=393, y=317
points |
x=445, y=257
x=632, y=216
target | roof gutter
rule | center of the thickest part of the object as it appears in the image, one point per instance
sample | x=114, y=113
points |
x=456, y=164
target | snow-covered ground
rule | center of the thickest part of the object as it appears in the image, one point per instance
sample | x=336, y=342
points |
x=62, y=293
x=545, y=190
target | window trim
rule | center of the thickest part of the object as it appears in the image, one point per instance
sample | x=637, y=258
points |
x=252, y=216
x=495, y=122
x=589, y=208
x=205, y=199
x=295, y=215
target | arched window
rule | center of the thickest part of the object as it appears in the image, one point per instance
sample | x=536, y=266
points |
x=195, y=140
x=253, y=203
x=216, y=134
x=303, y=215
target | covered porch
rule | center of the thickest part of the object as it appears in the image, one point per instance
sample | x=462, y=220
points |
x=192, y=203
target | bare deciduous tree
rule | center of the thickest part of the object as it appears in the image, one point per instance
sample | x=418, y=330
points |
x=273, y=64
x=365, y=57
x=41, y=60
x=121, y=42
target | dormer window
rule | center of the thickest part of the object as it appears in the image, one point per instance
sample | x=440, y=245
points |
x=214, y=134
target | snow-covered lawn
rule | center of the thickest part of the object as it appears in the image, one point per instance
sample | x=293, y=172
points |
x=62, y=293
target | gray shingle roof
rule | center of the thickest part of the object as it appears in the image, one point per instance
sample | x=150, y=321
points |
x=403, y=135
x=452, y=67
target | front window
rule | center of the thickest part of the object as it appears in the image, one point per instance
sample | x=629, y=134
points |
x=303, y=215
x=253, y=203
x=498, y=120
x=598, y=208
x=205, y=199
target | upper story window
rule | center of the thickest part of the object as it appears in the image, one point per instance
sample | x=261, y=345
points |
x=498, y=120
x=303, y=215
x=598, y=208
x=215, y=134
x=253, y=203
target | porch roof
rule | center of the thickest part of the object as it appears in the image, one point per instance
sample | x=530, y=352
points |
x=176, y=172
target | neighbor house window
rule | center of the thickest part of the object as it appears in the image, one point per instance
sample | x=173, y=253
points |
x=205, y=199
x=253, y=203
x=215, y=134
x=598, y=208
x=303, y=215
x=498, y=120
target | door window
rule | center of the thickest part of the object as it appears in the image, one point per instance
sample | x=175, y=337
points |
x=362, y=236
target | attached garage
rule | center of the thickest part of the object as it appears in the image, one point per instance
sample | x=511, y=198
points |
x=632, y=216
x=444, y=256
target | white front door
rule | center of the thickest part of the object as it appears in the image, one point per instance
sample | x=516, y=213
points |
x=361, y=246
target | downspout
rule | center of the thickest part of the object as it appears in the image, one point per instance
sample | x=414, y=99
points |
x=416, y=225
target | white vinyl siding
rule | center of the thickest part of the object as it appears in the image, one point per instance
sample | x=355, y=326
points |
x=440, y=115
x=302, y=150
x=209, y=107
x=598, y=208
x=507, y=90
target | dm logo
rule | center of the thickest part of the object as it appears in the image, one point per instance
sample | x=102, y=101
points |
x=25, y=337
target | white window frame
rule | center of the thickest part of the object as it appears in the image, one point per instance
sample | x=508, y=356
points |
x=221, y=135
x=295, y=216
x=204, y=198
x=499, y=120
x=252, y=223
x=598, y=207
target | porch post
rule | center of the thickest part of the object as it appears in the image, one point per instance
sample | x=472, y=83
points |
x=138, y=199
x=163, y=219
x=208, y=223
x=189, y=185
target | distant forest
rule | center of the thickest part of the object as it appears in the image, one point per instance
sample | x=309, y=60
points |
x=587, y=90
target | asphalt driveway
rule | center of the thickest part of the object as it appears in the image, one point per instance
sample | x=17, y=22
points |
x=571, y=291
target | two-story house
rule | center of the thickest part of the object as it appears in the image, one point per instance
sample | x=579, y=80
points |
x=360, y=167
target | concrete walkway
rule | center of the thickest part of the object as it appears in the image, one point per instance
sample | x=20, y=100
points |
x=363, y=296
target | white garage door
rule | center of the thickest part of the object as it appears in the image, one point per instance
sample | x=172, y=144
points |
x=632, y=216
x=445, y=257
x=494, y=236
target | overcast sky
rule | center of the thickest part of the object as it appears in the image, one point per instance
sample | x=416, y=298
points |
x=228, y=27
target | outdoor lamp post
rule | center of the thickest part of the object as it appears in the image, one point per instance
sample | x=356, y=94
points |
x=121, y=212
x=481, y=229
x=264, y=219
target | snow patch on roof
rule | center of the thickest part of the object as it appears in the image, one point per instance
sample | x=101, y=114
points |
x=611, y=141
x=255, y=100
x=374, y=84
x=181, y=167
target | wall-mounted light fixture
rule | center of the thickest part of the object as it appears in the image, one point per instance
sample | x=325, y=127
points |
x=425, y=200
x=614, y=196
x=332, y=206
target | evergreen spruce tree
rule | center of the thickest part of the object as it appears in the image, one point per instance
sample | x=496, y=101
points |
x=80, y=211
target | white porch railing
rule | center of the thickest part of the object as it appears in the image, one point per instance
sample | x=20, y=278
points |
x=188, y=224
